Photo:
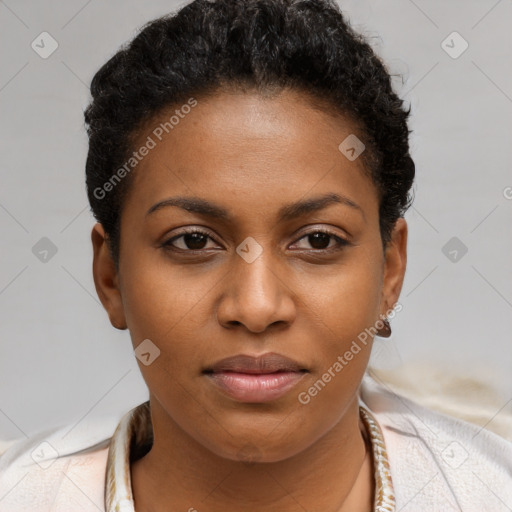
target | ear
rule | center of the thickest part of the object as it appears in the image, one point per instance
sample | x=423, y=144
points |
x=395, y=261
x=106, y=278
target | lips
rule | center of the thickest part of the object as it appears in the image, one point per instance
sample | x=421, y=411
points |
x=253, y=379
x=266, y=363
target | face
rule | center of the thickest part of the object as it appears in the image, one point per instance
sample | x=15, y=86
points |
x=284, y=261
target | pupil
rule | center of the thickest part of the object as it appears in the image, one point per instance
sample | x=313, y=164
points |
x=316, y=239
x=193, y=241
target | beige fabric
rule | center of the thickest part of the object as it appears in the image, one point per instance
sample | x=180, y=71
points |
x=6, y=444
x=468, y=397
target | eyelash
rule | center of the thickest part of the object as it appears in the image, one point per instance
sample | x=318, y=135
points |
x=167, y=245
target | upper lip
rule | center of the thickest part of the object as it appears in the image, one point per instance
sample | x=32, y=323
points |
x=266, y=363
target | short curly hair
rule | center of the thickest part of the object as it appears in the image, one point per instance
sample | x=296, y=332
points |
x=266, y=45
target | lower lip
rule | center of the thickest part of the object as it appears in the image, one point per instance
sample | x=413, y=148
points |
x=256, y=388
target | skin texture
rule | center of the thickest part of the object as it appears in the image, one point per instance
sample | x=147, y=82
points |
x=251, y=155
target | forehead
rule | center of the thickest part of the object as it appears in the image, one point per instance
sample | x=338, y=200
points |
x=247, y=150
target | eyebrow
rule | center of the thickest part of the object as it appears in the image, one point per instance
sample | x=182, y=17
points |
x=286, y=212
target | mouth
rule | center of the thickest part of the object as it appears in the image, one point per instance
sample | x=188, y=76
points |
x=253, y=379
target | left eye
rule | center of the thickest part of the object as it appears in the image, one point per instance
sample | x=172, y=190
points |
x=320, y=240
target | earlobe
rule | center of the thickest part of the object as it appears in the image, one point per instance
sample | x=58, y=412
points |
x=106, y=279
x=394, y=266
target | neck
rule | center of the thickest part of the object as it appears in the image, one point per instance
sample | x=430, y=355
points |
x=334, y=474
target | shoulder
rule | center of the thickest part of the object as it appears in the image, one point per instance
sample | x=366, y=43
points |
x=59, y=469
x=439, y=462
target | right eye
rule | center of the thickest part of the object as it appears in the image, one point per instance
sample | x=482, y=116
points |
x=191, y=240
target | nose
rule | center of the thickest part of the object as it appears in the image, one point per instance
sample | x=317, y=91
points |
x=256, y=294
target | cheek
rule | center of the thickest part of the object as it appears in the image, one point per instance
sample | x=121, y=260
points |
x=347, y=301
x=161, y=305
x=344, y=312
x=168, y=306
x=162, y=301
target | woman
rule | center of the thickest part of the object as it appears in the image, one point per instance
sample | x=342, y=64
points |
x=249, y=170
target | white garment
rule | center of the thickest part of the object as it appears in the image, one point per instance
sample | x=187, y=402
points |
x=437, y=463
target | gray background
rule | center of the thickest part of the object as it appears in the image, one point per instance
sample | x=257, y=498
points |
x=60, y=359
